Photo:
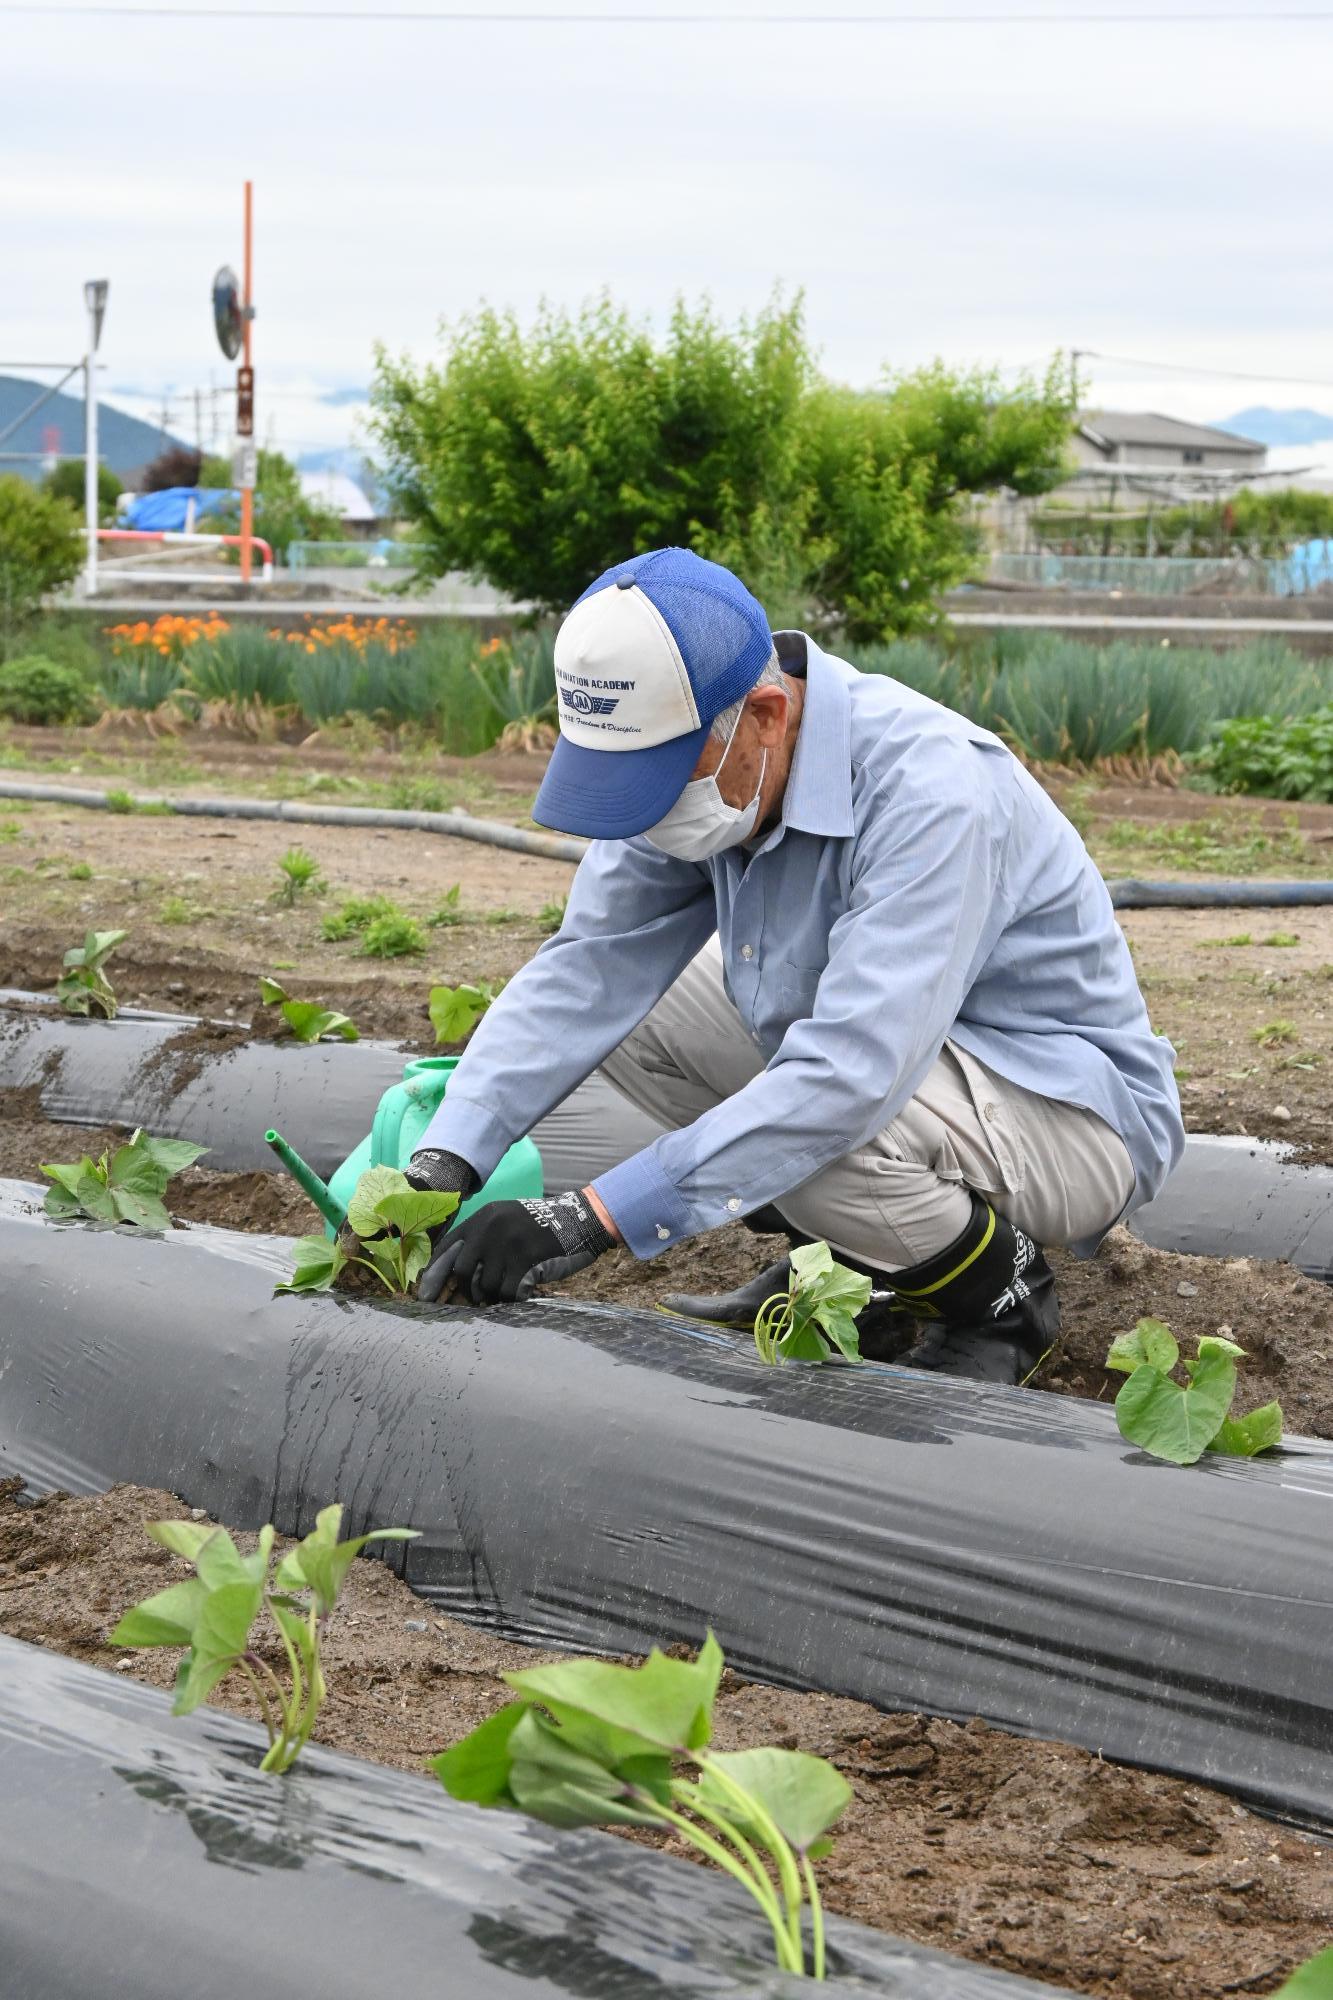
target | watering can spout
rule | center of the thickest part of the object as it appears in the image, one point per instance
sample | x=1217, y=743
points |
x=306, y=1178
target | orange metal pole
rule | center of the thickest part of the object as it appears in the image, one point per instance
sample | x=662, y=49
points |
x=247, y=493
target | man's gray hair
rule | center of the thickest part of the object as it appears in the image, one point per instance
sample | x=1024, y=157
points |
x=724, y=723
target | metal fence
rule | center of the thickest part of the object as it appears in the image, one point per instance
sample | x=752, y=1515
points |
x=384, y=554
x=1147, y=576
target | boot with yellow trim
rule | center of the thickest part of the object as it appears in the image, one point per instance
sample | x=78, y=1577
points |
x=986, y=1306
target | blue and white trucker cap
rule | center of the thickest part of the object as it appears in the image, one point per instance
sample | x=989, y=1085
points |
x=648, y=657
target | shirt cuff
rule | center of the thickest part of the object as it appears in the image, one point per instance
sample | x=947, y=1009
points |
x=644, y=1205
x=469, y=1129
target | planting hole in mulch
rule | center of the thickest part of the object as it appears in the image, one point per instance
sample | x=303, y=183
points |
x=1031, y=1856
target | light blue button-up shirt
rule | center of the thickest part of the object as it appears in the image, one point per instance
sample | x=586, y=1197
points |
x=919, y=887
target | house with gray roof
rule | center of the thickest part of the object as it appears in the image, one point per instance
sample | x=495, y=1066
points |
x=1132, y=441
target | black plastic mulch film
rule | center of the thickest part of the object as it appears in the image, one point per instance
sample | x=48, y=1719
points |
x=587, y=1477
x=1229, y=1197
x=145, y=1858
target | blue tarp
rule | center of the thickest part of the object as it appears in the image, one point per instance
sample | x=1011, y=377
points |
x=1309, y=565
x=167, y=512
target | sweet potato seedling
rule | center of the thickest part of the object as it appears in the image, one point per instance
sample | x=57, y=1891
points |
x=588, y=1743
x=213, y=1614
x=306, y=1018
x=390, y=1222
x=449, y=912
x=1180, y=1421
x=124, y=1186
x=456, y=1010
x=815, y=1318
x=83, y=987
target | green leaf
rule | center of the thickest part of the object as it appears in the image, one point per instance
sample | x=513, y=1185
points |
x=1177, y=1424
x=221, y=1635
x=68, y=1176
x=477, y=1769
x=1243, y=1437
x=803, y=1342
x=145, y=1211
x=1311, y=1981
x=662, y=1705
x=168, y=1619
x=454, y=1010
x=415, y=1209
x=183, y=1538
x=308, y=1021
x=838, y=1326
x=132, y=1168
x=809, y=1262
x=363, y=1214
x=59, y=1201
x=555, y=1781
x=171, y=1156
x=320, y=1562
x=271, y=994
x=802, y=1794
x=1213, y=1343
x=1152, y=1344
x=318, y=1262
x=416, y=1256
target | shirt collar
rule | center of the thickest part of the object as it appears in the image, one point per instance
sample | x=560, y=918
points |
x=819, y=786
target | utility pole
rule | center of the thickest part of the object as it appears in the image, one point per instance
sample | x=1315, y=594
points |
x=247, y=429
x=94, y=298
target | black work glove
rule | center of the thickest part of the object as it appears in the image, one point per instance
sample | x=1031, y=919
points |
x=442, y=1173
x=507, y=1247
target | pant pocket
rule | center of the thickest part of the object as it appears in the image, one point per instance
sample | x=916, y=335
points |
x=996, y=1131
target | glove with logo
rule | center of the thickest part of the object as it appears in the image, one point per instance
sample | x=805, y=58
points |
x=508, y=1247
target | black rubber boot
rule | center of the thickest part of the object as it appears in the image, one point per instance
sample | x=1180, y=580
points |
x=987, y=1304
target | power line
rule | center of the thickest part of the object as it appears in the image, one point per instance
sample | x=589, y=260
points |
x=1197, y=368
x=719, y=18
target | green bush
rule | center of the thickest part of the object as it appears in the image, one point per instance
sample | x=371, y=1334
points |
x=41, y=691
x=537, y=459
x=1273, y=757
x=282, y=515
x=41, y=550
x=65, y=482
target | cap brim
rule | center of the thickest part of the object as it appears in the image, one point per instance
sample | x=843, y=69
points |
x=611, y=794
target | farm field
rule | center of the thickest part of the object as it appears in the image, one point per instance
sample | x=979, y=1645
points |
x=1036, y=1857
x=1039, y=1858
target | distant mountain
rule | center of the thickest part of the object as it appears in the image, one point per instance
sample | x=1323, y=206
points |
x=1275, y=427
x=124, y=443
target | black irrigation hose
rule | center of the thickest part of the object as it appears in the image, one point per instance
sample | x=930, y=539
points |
x=589, y=1477
x=345, y=1880
x=1230, y=1197
x=463, y=826
x=1125, y=895
x=1134, y=895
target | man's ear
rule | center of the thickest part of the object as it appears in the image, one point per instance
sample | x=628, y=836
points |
x=768, y=706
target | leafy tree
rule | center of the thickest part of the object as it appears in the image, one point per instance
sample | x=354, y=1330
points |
x=65, y=482
x=41, y=549
x=178, y=465
x=538, y=459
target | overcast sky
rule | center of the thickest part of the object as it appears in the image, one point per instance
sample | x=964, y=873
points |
x=984, y=192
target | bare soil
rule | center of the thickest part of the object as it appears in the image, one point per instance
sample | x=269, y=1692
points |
x=1035, y=1857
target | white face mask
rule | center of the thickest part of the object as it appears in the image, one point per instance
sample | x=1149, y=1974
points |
x=701, y=823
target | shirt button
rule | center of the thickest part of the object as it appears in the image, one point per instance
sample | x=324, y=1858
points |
x=734, y=1203
x=988, y=1112
x=663, y=1233
x=747, y=951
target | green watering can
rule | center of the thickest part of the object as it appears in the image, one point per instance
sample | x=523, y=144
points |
x=405, y=1110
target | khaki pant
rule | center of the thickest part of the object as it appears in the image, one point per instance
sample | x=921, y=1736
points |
x=1058, y=1172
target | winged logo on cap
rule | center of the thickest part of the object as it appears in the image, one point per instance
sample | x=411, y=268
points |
x=583, y=703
